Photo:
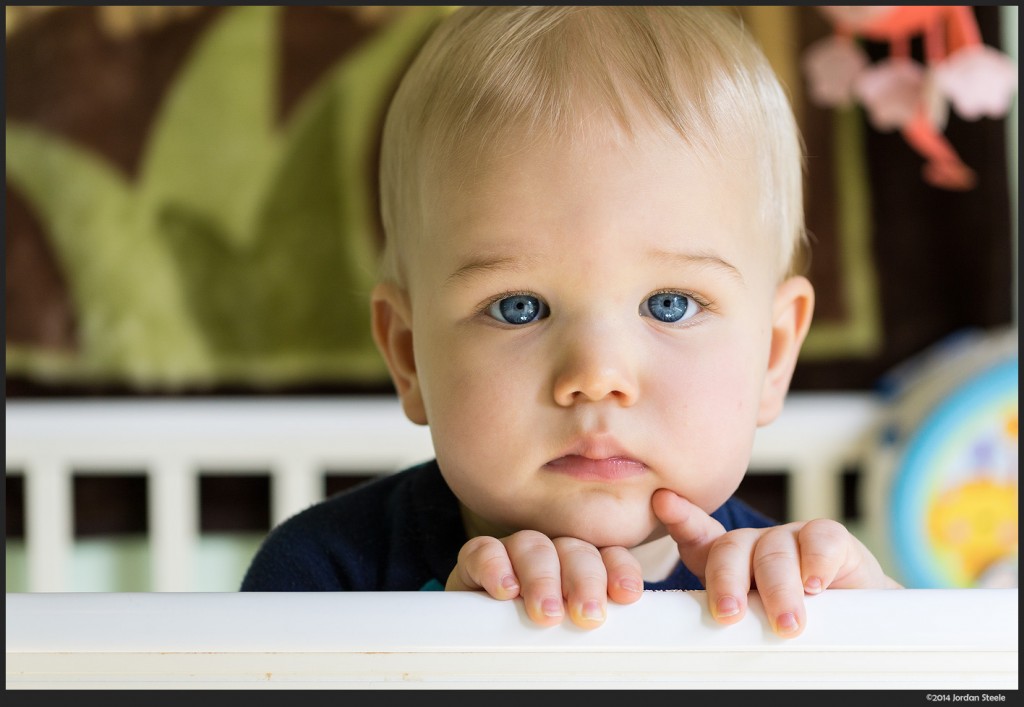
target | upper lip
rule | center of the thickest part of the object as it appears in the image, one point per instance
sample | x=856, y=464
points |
x=596, y=448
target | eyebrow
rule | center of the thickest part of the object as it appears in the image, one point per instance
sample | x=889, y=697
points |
x=478, y=265
x=700, y=259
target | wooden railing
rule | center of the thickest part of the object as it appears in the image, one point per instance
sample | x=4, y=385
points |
x=930, y=639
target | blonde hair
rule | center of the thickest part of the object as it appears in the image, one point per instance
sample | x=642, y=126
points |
x=488, y=73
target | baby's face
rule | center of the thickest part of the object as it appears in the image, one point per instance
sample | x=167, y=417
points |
x=592, y=323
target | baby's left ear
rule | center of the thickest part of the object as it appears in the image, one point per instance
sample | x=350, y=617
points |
x=791, y=318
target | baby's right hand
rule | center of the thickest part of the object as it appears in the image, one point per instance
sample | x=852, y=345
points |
x=545, y=571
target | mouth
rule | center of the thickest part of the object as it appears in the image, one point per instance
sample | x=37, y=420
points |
x=597, y=461
x=586, y=469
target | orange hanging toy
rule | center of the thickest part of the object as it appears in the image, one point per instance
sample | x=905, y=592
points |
x=899, y=93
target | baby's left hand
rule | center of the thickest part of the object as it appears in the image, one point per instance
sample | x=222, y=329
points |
x=783, y=562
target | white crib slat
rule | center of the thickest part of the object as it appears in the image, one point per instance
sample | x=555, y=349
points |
x=173, y=502
x=815, y=490
x=295, y=485
x=49, y=535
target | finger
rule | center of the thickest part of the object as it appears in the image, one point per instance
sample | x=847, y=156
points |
x=824, y=554
x=831, y=556
x=484, y=564
x=537, y=567
x=776, y=565
x=728, y=574
x=625, y=576
x=693, y=530
x=584, y=581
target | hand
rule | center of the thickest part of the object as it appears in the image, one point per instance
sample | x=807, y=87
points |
x=783, y=562
x=544, y=571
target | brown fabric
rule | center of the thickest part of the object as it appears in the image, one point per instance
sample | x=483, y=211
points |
x=820, y=191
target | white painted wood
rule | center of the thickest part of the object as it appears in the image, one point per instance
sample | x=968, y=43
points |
x=916, y=639
x=296, y=484
x=347, y=432
x=49, y=515
x=811, y=425
x=815, y=490
x=173, y=501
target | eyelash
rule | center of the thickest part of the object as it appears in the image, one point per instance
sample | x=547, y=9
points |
x=703, y=302
x=490, y=301
x=499, y=297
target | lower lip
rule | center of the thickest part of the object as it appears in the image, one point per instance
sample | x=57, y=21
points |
x=585, y=469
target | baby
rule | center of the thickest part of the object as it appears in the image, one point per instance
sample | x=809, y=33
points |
x=590, y=293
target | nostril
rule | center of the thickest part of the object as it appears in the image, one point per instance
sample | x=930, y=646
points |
x=574, y=395
x=592, y=372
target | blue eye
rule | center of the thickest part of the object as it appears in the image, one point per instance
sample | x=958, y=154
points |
x=518, y=309
x=670, y=307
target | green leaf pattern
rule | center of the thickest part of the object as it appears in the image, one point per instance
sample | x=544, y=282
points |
x=245, y=252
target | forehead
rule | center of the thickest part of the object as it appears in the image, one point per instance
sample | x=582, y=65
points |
x=548, y=197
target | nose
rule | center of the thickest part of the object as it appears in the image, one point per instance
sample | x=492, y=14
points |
x=595, y=366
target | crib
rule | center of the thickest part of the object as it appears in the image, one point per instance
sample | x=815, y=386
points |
x=294, y=442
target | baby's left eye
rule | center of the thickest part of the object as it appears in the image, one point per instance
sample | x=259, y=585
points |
x=669, y=307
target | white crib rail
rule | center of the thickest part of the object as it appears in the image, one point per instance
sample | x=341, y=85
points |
x=931, y=640
x=296, y=441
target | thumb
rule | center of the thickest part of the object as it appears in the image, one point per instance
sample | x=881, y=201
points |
x=693, y=530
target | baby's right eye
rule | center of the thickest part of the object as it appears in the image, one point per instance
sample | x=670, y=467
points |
x=518, y=309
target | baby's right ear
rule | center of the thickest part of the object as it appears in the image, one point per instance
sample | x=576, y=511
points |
x=391, y=317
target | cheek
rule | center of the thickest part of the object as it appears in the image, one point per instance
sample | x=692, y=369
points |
x=477, y=398
x=711, y=384
x=481, y=408
x=712, y=412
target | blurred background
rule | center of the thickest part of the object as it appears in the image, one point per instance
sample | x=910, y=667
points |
x=191, y=232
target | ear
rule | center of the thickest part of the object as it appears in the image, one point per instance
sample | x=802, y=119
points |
x=791, y=318
x=391, y=320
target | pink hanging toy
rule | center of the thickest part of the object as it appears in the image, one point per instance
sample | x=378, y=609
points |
x=899, y=93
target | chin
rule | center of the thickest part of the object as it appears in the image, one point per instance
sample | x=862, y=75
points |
x=600, y=535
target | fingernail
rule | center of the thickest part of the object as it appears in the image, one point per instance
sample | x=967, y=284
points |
x=787, y=623
x=592, y=611
x=551, y=607
x=631, y=585
x=727, y=606
x=509, y=582
x=812, y=585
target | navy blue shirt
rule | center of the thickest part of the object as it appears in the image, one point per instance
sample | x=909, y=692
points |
x=401, y=532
